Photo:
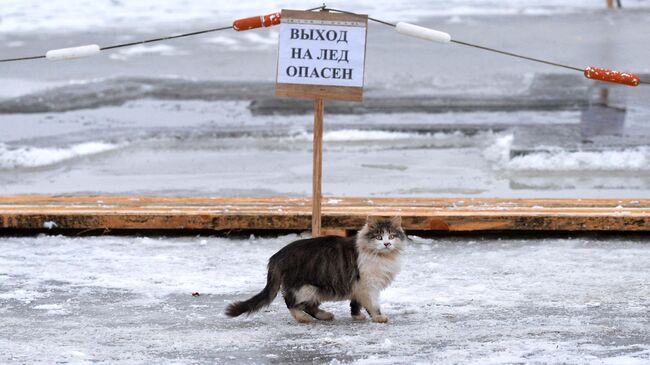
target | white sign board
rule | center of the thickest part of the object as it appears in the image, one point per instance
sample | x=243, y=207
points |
x=324, y=49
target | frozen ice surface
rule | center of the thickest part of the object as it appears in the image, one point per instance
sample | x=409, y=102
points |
x=129, y=300
x=221, y=148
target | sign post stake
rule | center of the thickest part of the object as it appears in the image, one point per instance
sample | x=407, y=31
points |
x=319, y=108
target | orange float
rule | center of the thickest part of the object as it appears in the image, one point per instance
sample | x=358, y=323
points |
x=256, y=22
x=617, y=77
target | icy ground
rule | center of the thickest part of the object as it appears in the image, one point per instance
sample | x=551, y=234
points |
x=487, y=301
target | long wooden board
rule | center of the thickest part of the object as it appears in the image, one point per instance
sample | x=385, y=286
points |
x=36, y=212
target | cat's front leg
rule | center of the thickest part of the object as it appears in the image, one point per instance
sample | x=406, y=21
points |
x=369, y=299
x=379, y=318
x=355, y=310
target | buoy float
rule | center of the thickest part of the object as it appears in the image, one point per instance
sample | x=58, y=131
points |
x=616, y=77
x=422, y=32
x=256, y=22
x=72, y=52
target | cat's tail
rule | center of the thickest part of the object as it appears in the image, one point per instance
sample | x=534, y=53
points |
x=261, y=299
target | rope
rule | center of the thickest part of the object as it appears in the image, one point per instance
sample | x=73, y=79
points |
x=144, y=41
x=131, y=43
x=165, y=38
x=324, y=8
x=471, y=44
x=518, y=55
x=22, y=58
x=573, y=68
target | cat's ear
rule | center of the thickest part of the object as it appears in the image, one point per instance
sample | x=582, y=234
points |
x=372, y=220
x=396, y=221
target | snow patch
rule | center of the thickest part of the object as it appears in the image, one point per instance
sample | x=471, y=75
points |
x=48, y=306
x=632, y=159
x=16, y=157
x=348, y=135
x=438, y=139
x=22, y=295
x=55, y=309
x=499, y=151
x=558, y=159
x=49, y=225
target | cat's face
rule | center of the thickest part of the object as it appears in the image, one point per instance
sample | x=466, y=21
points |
x=381, y=235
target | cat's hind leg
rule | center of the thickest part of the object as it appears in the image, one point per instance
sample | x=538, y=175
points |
x=313, y=310
x=308, y=298
x=294, y=308
x=299, y=315
x=355, y=310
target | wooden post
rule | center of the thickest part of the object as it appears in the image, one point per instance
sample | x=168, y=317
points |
x=610, y=4
x=316, y=197
x=349, y=45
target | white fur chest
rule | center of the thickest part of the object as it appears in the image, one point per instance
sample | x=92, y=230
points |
x=377, y=272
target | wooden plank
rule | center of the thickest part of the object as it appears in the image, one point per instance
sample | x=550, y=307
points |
x=33, y=212
x=336, y=232
x=343, y=93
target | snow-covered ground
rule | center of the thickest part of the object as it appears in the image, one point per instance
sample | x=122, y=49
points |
x=471, y=301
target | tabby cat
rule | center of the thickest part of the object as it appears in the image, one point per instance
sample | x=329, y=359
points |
x=331, y=268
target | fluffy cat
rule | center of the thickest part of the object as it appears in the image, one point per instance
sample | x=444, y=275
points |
x=332, y=268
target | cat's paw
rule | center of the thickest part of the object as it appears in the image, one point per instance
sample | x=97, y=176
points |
x=359, y=317
x=304, y=319
x=300, y=316
x=380, y=319
x=324, y=316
